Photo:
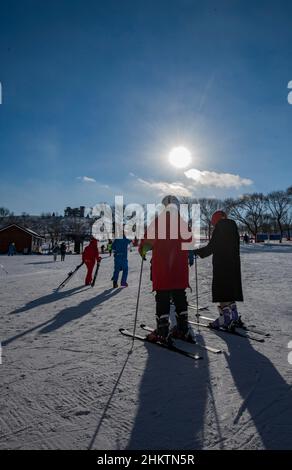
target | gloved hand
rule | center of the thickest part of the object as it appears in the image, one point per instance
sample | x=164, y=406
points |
x=143, y=250
x=191, y=257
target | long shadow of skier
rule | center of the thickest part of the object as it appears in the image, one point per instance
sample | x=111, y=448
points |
x=266, y=396
x=66, y=315
x=108, y=403
x=172, y=402
x=46, y=299
x=42, y=262
x=73, y=313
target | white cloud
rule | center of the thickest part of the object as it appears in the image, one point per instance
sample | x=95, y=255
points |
x=86, y=179
x=219, y=180
x=164, y=188
x=131, y=174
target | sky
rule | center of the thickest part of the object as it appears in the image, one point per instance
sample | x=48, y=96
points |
x=96, y=94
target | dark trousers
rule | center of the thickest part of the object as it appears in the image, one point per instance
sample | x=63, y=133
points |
x=163, y=299
x=90, y=266
x=121, y=264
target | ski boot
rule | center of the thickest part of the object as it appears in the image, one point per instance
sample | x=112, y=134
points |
x=125, y=284
x=182, y=330
x=236, y=318
x=155, y=337
x=224, y=320
x=161, y=333
x=115, y=285
x=176, y=333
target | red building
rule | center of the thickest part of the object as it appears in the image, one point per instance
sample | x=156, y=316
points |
x=26, y=240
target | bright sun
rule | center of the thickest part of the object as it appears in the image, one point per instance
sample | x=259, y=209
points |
x=180, y=157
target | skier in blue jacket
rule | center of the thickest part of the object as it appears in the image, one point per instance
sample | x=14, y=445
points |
x=120, y=249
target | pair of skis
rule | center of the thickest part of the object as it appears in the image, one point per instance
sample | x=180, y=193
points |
x=95, y=275
x=172, y=347
x=71, y=274
x=236, y=330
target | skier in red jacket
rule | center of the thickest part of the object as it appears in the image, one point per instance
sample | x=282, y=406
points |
x=89, y=256
x=169, y=270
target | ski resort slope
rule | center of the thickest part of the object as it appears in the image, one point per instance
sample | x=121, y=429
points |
x=68, y=382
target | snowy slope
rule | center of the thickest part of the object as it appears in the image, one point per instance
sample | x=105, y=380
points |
x=68, y=382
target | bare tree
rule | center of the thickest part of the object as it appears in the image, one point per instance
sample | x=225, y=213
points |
x=207, y=208
x=288, y=216
x=249, y=210
x=4, y=212
x=278, y=203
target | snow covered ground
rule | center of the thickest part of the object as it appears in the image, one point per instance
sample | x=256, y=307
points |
x=67, y=381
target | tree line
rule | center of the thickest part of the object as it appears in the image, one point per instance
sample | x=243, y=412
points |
x=254, y=213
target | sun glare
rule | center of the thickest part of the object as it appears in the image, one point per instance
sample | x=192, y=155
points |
x=180, y=157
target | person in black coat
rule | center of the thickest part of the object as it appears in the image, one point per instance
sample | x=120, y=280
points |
x=63, y=251
x=226, y=287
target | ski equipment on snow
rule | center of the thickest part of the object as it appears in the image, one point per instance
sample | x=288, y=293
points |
x=233, y=331
x=170, y=347
x=240, y=326
x=200, y=345
x=95, y=275
x=70, y=274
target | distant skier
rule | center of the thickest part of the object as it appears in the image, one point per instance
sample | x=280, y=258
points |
x=11, y=249
x=169, y=271
x=120, y=249
x=56, y=251
x=246, y=238
x=110, y=247
x=63, y=251
x=226, y=286
x=90, y=255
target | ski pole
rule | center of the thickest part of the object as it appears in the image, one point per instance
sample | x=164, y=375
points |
x=197, y=292
x=1, y=266
x=137, y=304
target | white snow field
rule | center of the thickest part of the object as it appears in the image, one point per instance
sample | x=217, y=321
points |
x=67, y=381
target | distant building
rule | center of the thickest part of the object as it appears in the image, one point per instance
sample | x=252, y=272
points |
x=74, y=212
x=26, y=240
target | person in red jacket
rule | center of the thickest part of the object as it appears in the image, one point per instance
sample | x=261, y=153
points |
x=89, y=256
x=169, y=269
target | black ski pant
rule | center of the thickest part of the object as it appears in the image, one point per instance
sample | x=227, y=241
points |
x=163, y=299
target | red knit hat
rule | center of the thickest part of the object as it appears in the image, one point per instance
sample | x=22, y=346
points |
x=218, y=215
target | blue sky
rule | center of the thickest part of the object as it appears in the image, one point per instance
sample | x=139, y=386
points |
x=104, y=90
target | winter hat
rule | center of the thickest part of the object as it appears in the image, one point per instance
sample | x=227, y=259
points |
x=170, y=200
x=218, y=215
